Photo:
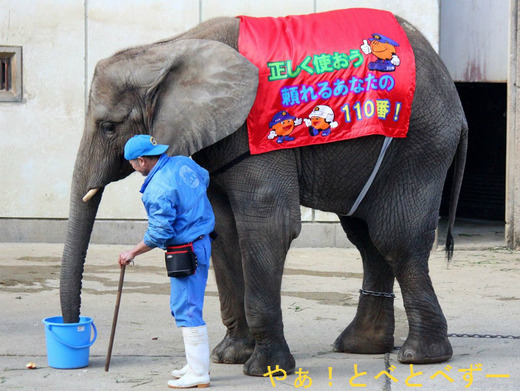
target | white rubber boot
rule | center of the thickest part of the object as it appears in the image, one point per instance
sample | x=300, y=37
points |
x=197, y=354
x=178, y=373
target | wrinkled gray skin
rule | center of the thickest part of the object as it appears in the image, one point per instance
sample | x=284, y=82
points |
x=194, y=94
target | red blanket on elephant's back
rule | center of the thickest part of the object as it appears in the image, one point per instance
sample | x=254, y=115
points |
x=327, y=77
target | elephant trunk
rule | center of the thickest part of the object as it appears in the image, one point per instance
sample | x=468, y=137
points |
x=81, y=221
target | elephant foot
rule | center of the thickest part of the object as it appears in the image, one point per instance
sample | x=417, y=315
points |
x=233, y=350
x=425, y=351
x=371, y=331
x=364, y=342
x=272, y=354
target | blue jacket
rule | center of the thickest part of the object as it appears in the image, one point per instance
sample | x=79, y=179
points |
x=174, y=196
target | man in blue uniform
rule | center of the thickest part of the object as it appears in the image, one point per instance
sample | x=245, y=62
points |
x=179, y=212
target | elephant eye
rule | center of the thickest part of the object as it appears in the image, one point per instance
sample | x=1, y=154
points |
x=107, y=128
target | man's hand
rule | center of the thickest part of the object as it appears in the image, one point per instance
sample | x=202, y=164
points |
x=126, y=257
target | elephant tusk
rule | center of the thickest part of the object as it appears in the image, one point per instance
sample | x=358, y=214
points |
x=91, y=193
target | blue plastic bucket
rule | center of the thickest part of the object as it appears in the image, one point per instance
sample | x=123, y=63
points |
x=68, y=344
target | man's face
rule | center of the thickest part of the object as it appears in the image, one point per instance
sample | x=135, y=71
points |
x=142, y=165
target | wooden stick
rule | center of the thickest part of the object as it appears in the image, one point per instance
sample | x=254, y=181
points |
x=114, y=321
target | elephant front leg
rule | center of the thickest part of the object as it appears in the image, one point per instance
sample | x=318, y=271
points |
x=427, y=340
x=372, y=329
x=263, y=310
x=238, y=344
x=264, y=200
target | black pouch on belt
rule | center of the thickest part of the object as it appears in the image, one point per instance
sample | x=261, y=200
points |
x=181, y=261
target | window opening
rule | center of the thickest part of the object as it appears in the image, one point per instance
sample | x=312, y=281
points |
x=5, y=76
x=10, y=74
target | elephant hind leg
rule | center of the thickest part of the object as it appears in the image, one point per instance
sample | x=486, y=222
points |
x=407, y=253
x=427, y=340
x=372, y=329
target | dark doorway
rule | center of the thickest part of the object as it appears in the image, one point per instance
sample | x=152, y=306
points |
x=483, y=189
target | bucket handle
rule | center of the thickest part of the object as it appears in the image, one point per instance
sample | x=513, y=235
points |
x=75, y=346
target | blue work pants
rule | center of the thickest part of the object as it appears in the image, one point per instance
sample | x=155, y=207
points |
x=187, y=293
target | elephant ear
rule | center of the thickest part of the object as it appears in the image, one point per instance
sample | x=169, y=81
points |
x=201, y=92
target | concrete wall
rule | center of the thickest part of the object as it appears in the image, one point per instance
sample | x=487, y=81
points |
x=62, y=41
x=39, y=136
x=513, y=133
x=474, y=40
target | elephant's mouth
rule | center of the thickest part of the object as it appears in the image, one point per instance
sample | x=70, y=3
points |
x=124, y=170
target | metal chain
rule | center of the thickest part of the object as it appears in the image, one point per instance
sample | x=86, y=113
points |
x=476, y=336
x=453, y=335
x=377, y=294
x=484, y=336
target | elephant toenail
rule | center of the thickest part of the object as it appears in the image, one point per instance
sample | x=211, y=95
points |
x=408, y=355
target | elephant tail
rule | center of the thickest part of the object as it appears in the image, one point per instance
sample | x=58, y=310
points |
x=459, y=162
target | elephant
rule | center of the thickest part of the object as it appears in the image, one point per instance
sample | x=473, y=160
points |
x=194, y=92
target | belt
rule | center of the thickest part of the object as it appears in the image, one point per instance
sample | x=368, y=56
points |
x=173, y=246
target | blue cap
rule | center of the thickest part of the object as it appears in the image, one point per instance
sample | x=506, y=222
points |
x=279, y=117
x=383, y=39
x=143, y=145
